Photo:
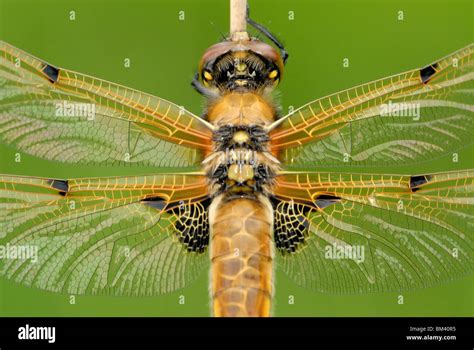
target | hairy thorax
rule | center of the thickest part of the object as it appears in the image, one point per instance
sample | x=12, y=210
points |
x=241, y=164
x=241, y=108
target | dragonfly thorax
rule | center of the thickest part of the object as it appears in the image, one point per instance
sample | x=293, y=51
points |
x=240, y=163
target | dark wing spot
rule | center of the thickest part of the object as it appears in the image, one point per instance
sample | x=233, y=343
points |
x=192, y=220
x=417, y=181
x=325, y=200
x=51, y=72
x=192, y=225
x=61, y=185
x=303, y=221
x=155, y=202
x=290, y=226
x=427, y=72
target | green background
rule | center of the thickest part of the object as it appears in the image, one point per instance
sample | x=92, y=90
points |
x=164, y=53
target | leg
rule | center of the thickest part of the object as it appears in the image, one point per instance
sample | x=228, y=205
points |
x=196, y=84
x=262, y=29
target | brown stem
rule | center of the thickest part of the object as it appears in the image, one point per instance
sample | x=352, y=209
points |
x=238, y=20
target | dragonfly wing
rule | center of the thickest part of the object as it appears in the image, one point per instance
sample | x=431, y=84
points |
x=65, y=116
x=406, y=118
x=350, y=233
x=138, y=235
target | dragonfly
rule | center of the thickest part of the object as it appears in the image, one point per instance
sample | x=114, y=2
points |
x=247, y=195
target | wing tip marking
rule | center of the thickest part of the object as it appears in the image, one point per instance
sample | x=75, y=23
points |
x=418, y=180
x=427, y=72
x=51, y=72
x=61, y=185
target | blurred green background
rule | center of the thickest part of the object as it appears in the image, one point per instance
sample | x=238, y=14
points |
x=164, y=52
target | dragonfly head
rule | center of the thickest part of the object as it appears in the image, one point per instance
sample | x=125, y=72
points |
x=241, y=65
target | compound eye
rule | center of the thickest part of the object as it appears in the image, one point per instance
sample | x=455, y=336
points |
x=273, y=74
x=207, y=75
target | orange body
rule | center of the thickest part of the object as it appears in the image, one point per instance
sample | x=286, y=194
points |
x=241, y=229
x=241, y=108
x=241, y=255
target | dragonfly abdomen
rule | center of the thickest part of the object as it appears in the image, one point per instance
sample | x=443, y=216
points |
x=241, y=172
x=242, y=256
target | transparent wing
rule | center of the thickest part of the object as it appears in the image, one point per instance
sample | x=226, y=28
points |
x=111, y=236
x=65, y=116
x=349, y=233
x=406, y=118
